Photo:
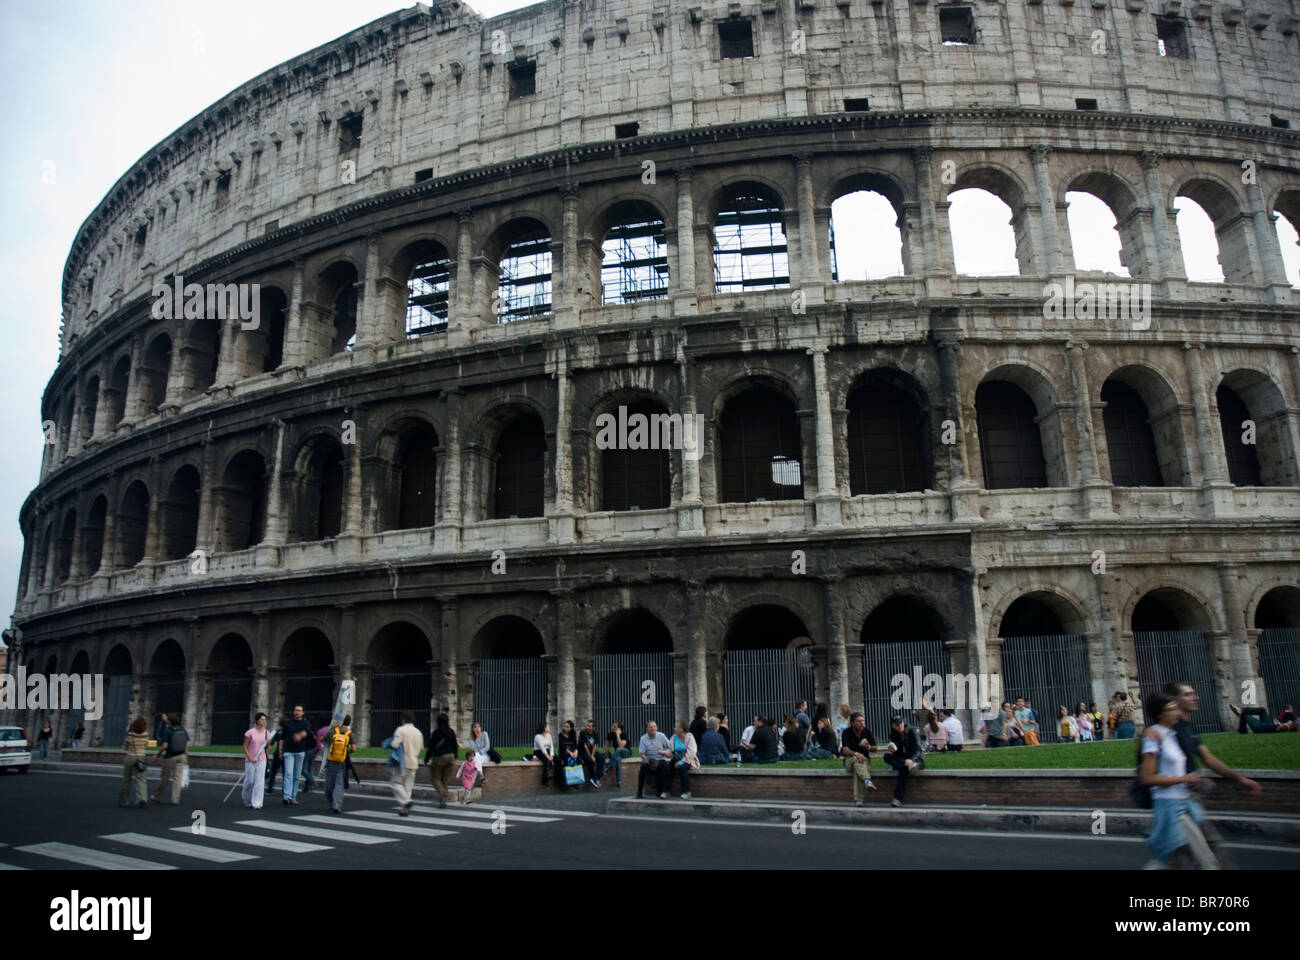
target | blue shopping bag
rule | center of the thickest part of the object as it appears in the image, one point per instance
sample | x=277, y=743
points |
x=573, y=775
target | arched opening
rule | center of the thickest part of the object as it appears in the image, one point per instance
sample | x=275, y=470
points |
x=768, y=665
x=417, y=477
x=118, y=386
x=1045, y=659
x=866, y=239
x=523, y=271
x=428, y=289
x=117, y=696
x=230, y=676
x=1170, y=644
x=636, y=475
x=1214, y=233
x=888, y=431
x=1094, y=234
x=1129, y=440
x=760, y=448
x=204, y=349
x=1198, y=242
x=510, y=682
x=338, y=283
x=260, y=349
x=154, y=373
x=164, y=685
x=987, y=219
x=635, y=648
x=63, y=551
x=1286, y=224
x=519, y=487
x=306, y=664
x=1278, y=620
x=1011, y=445
x=180, y=514
x=402, y=679
x=241, y=503
x=749, y=245
x=89, y=409
x=92, y=536
x=133, y=525
x=904, y=661
x=634, y=255
x=318, y=487
x=1256, y=434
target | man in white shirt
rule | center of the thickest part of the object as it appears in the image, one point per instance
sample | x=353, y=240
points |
x=410, y=741
x=747, y=737
x=956, y=738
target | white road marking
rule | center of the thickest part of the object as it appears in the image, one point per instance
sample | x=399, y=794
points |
x=10, y=866
x=317, y=832
x=482, y=813
x=86, y=857
x=179, y=847
x=274, y=843
x=387, y=827
x=438, y=821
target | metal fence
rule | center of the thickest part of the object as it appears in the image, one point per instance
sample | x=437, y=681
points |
x=1051, y=671
x=621, y=693
x=315, y=691
x=392, y=693
x=1167, y=655
x=1279, y=666
x=232, y=706
x=767, y=682
x=169, y=697
x=882, y=663
x=510, y=699
x=117, y=707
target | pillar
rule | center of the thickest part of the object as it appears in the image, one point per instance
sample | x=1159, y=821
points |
x=690, y=513
x=352, y=524
x=1240, y=665
x=460, y=308
x=1096, y=494
x=828, y=500
x=963, y=493
x=685, y=294
x=274, y=529
x=262, y=666
x=565, y=614
x=1055, y=261
x=295, y=334
x=1216, y=490
x=837, y=664
x=1272, y=269
x=191, y=719
x=696, y=664
x=1162, y=261
x=448, y=690
x=561, y=518
x=812, y=274
x=567, y=300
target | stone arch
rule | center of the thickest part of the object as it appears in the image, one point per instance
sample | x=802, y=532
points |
x=903, y=634
x=1007, y=186
x=994, y=407
x=851, y=235
x=92, y=535
x=1228, y=211
x=1062, y=604
x=888, y=428
x=1161, y=415
x=132, y=523
x=179, y=513
x=520, y=261
x=1274, y=612
x=629, y=252
x=424, y=267
x=1271, y=461
x=626, y=478
x=1120, y=198
x=749, y=237
x=642, y=631
x=239, y=503
x=318, y=487
x=408, y=457
x=760, y=449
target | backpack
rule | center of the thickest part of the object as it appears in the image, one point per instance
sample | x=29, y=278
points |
x=339, y=738
x=1138, y=791
x=177, y=742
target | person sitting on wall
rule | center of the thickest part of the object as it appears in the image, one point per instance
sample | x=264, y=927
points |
x=713, y=748
x=903, y=753
x=858, y=742
x=764, y=744
x=794, y=739
x=747, y=738
x=1257, y=720
x=656, y=752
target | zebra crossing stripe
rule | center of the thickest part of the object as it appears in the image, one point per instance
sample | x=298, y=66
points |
x=385, y=827
x=86, y=857
x=438, y=821
x=480, y=814
x=179, y=847
x=318, y=832
x=10, y=866
x=273, y=843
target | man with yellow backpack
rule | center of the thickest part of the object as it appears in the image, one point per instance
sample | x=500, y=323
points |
x=338, y=749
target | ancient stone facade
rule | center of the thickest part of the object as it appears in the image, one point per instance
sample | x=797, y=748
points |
x=398, y=473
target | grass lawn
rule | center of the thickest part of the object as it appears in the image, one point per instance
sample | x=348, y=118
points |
x=1276, y=751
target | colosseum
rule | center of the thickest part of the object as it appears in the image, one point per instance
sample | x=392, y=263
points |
x=438, y=257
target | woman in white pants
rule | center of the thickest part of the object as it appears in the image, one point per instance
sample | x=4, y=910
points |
x=255, y=739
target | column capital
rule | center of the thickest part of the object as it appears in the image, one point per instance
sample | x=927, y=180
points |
x=1188, y=345
x=464, y=215
x=1079, y=346
x=802, y=160
x=684, y=172
x=922, y=155
x=1040, y=152
x=569, y=189
x=1150, y=159
x=818, y=349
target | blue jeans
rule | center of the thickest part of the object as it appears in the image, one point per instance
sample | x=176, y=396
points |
x=1167, y=834
x=45, y=749
x=1124, y=730
x=292, y=768
x=336, y=778
x=307, y=764
x=615, y=760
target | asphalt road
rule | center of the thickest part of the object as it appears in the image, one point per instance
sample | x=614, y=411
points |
x=61, y=819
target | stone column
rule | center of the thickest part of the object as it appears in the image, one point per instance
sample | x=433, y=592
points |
x=963, y=493
x=837, y=664
x=368, y=309
x=262, y=665
x=1096, y=493
x=937, y=259
x=153, y=525
x=565, y=689
x=447, y=531
x=275, y=527
x=1216, y=490
x=562, y=523
x=812, y=274
x=460, y=711
x=191, y=719
x=132, y=411
x=352, y=521
x=696, y=658
x=1055, y=261
x=685, y=295
x=566, y=298
x=203, y=537
x=1234, y=619
x=828, y=499
x=461, y=305
x=1163, y=265
x=99, y=430
x=1272, y=269
x=295, y=334
x=690, y=513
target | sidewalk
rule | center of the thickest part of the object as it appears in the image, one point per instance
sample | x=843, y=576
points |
x=1237, y=827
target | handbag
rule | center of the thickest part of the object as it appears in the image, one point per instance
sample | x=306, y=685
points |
x=140, y=765
x=573, y=775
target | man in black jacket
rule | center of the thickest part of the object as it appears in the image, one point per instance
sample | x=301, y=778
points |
x=903, y=753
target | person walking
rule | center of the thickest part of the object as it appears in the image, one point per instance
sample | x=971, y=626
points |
x=295, y=743
x=408, y=742
x=442, y=757
x=338, y=749
x=77, y=736
x=685, y=758
x=256, y=738
x=544, y=750
x=858, y=742
x=617, y=750
x=1164, y=771
x=1121, y=707
x=903, y=753
x=176, y=744
x=134, y=766
x=43, y=739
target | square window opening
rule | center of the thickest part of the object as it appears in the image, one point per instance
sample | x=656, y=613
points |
x=736, y=39
x=623, y=131
x=856, y=105
x=425, y=174
x=1279, y=122
x=523, y=79
x=957, y=26
x=1171, y=38
x=1085, y=103
x=350, y=132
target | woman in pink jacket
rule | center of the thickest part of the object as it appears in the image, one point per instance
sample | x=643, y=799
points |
x=685, y=757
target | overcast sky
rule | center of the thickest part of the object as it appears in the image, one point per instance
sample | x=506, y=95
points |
x=93, y=85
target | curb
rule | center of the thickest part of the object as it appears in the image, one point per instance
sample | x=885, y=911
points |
x=1239, y=827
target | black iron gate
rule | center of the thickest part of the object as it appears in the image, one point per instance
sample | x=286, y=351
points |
x=117, y=706
x=392, y=693
x=766, y=682
x=1279, y=666
x=1167, y=655
x=315, y=691
x=1050, y=670
x=510, y=700
x=232, y=705
x=890, y=671
x=635, y=688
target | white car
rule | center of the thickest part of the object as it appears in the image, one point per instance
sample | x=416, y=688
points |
x=15, y=749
